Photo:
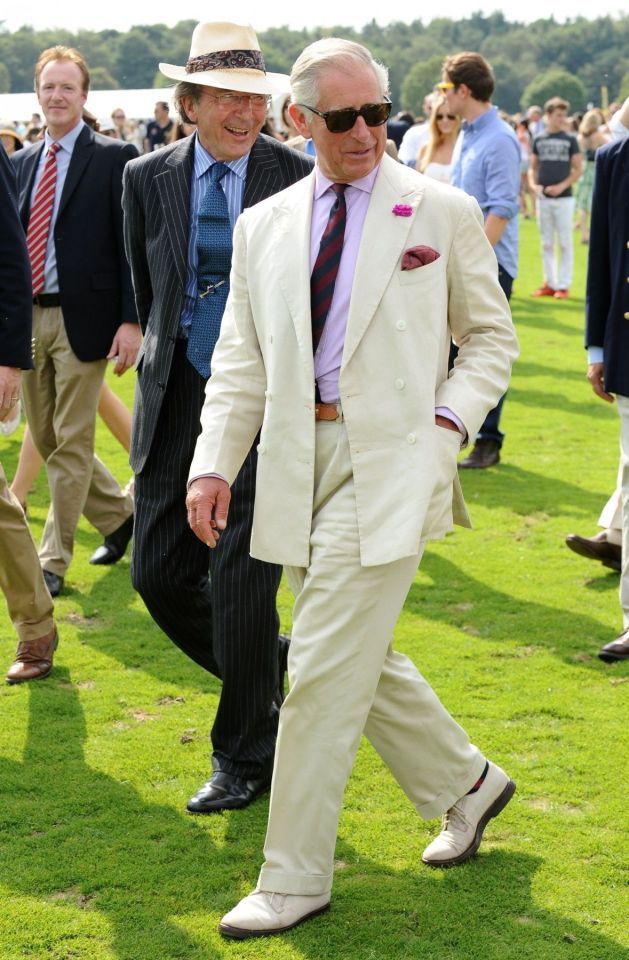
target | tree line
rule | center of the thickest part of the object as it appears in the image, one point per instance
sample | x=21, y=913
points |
x=574, y=59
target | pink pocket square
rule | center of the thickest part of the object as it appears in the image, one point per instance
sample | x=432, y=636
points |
x=418, y=257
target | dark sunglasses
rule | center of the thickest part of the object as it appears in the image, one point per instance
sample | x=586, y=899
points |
x=445, y=116
x=340, y=121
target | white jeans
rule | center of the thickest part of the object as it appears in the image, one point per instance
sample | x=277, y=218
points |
x=555, y=215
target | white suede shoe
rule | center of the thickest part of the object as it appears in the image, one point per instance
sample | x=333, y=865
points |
x=262, y=913
x=463, y=824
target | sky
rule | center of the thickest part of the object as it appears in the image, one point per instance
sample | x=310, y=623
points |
x=74, y=15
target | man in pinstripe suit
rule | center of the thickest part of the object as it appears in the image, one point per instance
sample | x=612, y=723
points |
x=228, y=622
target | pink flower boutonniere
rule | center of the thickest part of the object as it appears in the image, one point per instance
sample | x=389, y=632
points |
x=402, y=210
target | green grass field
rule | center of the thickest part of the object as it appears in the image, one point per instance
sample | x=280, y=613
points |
x=98, y=858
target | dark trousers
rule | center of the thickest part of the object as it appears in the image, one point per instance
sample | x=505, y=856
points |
x=217, y=605
x=490, y=428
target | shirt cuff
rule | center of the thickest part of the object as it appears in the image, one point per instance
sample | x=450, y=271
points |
x=595, y=355
x=199, y=476
x=447, y=413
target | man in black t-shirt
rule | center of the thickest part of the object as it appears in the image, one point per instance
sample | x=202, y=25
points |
x=555, y=166
x=158, y=130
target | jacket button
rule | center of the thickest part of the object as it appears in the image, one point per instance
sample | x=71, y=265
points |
x=399, y=384
x=411, y=438
x=401, y=324
x=161, y=385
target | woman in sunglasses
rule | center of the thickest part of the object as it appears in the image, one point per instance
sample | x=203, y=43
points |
x=435, y=156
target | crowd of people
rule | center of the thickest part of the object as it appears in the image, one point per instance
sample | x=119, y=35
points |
x=157, y=234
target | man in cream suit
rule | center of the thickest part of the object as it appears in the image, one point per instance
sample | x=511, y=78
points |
x=357, y=463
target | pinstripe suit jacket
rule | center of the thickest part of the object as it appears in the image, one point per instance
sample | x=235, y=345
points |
x=156, y=201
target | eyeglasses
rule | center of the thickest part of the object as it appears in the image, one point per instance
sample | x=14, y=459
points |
x=340, y=121
x=254, y=100
x=446, y=85
x=446, y=116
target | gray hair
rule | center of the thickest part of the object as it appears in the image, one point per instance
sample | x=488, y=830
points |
x=185, y=89
x=331, y=53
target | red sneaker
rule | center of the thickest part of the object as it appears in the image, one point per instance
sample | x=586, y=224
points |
x=544, y=291
x=561, y=294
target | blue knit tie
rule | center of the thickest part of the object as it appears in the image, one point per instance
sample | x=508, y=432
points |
x=214, y=252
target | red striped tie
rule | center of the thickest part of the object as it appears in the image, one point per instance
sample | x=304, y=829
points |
x=327, y=264
x=39, y=220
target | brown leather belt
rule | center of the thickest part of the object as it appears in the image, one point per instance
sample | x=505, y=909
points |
x=329, y=411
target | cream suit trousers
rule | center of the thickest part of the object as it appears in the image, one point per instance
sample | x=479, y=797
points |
x=21, y=578
x=61, y=399
x=345, y=679
x=623, y=410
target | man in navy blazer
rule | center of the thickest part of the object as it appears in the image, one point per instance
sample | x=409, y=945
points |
x=607, y=329
x=21, y=579
x=84, y=316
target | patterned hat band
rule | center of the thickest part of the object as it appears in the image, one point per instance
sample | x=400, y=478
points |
x=230, y=59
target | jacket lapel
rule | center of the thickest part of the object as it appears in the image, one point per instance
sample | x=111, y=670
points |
x=81, y=156
x=263, y=177
x=383, y=241
x=291, y=251
x=30, y=163
x=173, y=187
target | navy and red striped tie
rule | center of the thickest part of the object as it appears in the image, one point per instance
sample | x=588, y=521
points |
x=327, y=264
x=39, y=220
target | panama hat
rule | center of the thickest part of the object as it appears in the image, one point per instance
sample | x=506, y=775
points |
x=228, y=56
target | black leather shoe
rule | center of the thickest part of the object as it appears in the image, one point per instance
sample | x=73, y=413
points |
x=114, y=546
x=486, y=453
x=617, y=650
x=596, y=548
x=53, y=582
x=225, y=792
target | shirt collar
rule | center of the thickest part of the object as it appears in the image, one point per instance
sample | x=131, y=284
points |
x=203, y=160
x=475, y=126
x=322, y=183
x=67, y=141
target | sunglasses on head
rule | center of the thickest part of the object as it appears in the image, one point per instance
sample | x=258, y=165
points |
x=340, y=121
x=446, y=116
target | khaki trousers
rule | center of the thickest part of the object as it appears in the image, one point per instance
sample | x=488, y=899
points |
x=21, y=579
x=345, y=679
x=61, y=399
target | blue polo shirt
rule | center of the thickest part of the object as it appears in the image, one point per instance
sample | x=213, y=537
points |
x=486, y=164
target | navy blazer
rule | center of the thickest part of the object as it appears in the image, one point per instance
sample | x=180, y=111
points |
x=94, y=276
x=607, y=297
x=16, y=303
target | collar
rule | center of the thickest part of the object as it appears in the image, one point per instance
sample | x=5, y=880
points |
x=322, y=183
x=68, y=141
x=475, y=126
x=203, y=160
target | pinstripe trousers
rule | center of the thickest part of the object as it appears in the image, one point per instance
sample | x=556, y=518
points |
x=227, y=622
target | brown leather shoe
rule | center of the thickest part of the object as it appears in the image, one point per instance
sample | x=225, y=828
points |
x=618, y=649
x=33, y=660
x=486, y=453
x=596, y=548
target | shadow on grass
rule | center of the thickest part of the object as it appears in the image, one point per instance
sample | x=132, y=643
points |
x=84, y=844
x=483, y=908
x=525, y=491
x=454, y=593
x=89, y=848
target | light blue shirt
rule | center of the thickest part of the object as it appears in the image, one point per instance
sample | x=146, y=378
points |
x=233, y=184
x=486, y=164
x=64, y=156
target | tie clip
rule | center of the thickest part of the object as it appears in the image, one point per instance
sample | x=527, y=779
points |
x=211, y=288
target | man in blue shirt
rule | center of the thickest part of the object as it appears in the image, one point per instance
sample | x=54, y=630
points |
x=486, y=164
